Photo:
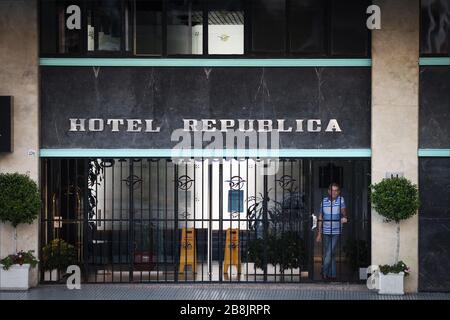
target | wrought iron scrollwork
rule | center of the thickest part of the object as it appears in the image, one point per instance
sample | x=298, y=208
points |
x=185, y=215
x=133, y=180
x=107, y=163
x=184, y=182
x=236, y=183
x=286, y=182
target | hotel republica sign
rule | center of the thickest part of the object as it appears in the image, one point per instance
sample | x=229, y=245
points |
x=205, y=125
x=165, y=108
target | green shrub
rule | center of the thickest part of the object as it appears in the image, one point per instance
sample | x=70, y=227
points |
x=395, y=199
x=21, y=258
x=19, y=199
x=256, y=252
x=289, y=251
x=58, y=254
x=396, y=268
x=286, y=250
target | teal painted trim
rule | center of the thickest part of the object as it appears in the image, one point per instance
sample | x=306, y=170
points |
x=434, y=152
x=443, y=61
x=307, y=153
x=151, y=62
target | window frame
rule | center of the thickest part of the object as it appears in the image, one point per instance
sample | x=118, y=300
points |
x=368, y=50
x=163, y=32
x=247, y=54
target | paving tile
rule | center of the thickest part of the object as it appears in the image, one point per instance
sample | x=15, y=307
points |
x=211, y=292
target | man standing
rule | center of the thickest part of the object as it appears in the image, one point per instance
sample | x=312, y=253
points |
x=333, y=213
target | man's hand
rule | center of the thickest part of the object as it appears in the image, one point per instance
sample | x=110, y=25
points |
x=319, y=237
x=344, y=220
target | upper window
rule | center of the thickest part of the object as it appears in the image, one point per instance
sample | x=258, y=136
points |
x=277, y=28
x=226, y=26
x=349, y=36
x=55, y=36
x=307, y=27
x=184, y=27
x=435, y=27
x=148, y=27
x=268, y=26
x=105, y=19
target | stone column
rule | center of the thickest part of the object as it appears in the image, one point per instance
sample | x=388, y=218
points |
x=395, y=117
x=19, y=78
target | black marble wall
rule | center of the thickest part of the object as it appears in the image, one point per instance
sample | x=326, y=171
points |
x=170, y=94
x=434, y=117
x=434, y=224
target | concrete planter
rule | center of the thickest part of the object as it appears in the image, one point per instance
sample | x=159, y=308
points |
x=52, y=275
x=391, y=283
x=17, y=277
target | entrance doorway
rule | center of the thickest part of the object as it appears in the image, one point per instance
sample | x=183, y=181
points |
x=204, y=220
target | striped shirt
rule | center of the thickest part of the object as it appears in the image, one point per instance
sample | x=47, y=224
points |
x=331, y=214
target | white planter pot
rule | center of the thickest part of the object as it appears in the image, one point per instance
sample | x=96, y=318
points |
x=362, y=273
x=51, y=275
x=17, y=277
x=391, y=283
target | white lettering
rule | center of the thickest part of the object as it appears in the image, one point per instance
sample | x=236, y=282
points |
x=281, y=127
x=242, y=125
x=299, y=123
x=264, y=125
x=114, y=124
x=333, y=125
x=77, y=124
x=190, y=124
x=314, y=125
x=226, y=124
x=134, y=125
x=96, y=125
x=149, y=126
x=208, y=125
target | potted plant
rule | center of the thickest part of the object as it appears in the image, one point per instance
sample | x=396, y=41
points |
x=357, y=253
x=286, y=250
x=282, y=246
x=289, y=251
x=19, y=203
x=396, y=199
x=56, y=257
x=259, y=248
x=15, y=270
x=391, y=278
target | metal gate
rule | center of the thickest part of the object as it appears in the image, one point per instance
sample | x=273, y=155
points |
x=153, y=220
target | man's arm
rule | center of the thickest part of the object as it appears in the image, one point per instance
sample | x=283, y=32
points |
x=319, y=223
x=344, y=215
x=319, y=228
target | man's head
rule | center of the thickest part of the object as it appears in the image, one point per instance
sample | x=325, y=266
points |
x=334, y=190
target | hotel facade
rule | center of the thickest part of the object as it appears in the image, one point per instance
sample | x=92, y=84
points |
x=193, y=141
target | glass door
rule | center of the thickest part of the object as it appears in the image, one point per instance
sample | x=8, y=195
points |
x=340, y=200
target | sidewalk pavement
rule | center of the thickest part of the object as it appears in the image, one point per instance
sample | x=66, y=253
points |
x=211, y=291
